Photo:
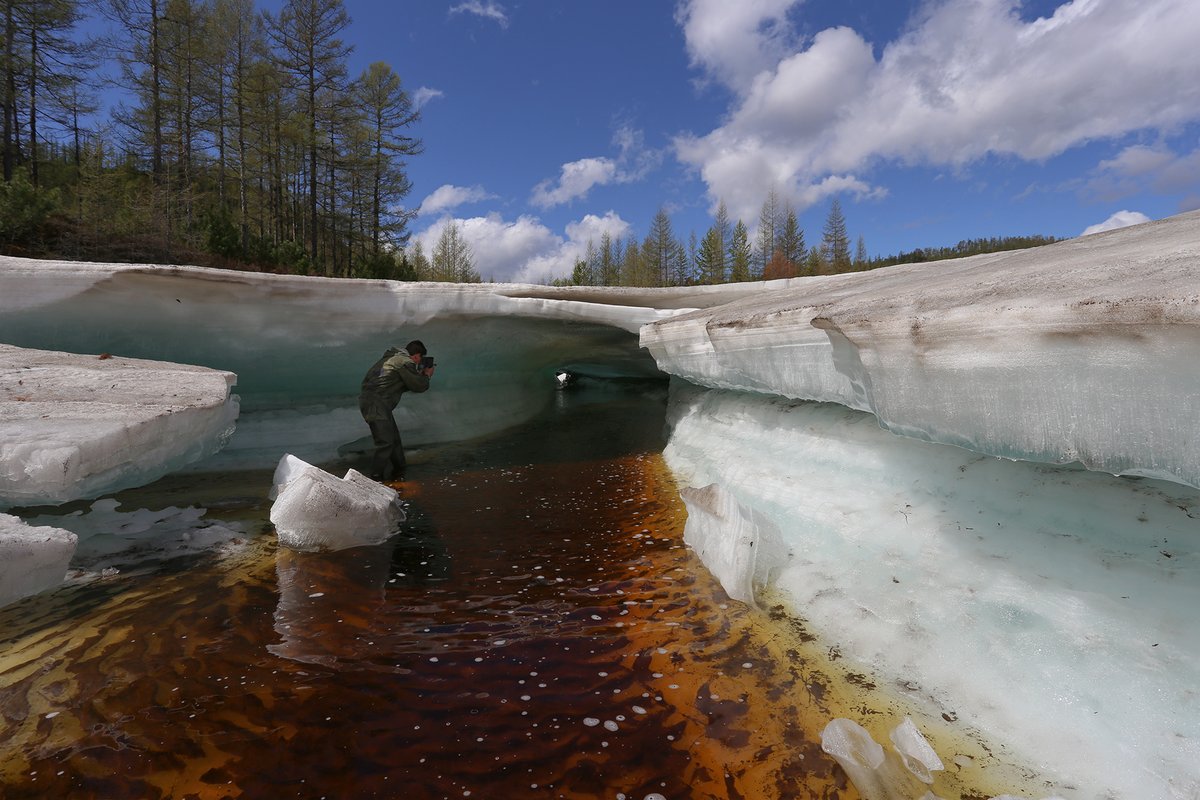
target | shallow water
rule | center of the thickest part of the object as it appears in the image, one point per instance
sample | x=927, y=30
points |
x=536, y=629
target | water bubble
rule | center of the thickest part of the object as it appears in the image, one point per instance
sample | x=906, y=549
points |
x=591, y=722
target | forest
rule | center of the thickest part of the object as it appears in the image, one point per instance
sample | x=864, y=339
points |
x=245, y=143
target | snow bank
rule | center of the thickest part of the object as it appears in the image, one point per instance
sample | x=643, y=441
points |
x=77, y=426
x=1086, y=350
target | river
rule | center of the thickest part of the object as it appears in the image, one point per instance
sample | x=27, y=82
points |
x=537, y=628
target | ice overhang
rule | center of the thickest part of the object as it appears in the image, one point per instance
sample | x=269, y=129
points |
x=1086, y=350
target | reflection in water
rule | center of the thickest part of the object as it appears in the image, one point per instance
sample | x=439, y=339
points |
x=537, y=629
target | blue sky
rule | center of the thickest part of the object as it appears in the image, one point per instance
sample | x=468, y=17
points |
x=547, y=122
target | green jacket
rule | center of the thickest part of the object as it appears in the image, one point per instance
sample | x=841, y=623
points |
x=388, y=378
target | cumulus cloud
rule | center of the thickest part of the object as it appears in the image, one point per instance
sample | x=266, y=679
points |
x=1121, y=219
x=1142, y=167
x=448, y=196
x=577, y=178
x=966, y=79
x=424, y=95
x=487, y=10
x=524, y=250
x=734, y=42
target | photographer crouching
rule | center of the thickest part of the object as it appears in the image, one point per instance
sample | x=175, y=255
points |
x=396, y=372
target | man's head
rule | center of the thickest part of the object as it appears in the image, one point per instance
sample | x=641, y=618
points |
x=416, y=348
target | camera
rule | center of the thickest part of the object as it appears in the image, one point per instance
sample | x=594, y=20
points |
x=427, y=362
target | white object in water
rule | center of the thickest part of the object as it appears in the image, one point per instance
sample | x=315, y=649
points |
x=314, y=510
x=32, y=559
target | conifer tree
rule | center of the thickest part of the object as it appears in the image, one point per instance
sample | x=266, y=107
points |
x=739, y=253
x=860, y=254
x=768, y=226
x=452, y=260
x=306, y=35
x=835, y=244
x=388, y=111
x=790, y=242
x=659, y=249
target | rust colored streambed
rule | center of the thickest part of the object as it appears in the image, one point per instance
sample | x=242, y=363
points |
x=537, y=629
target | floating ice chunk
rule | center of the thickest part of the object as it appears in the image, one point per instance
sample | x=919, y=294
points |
x=876, y=774
x=851, y=745
x=314, y=510
x=32, y=559
x=77, y=426
x=915, y=752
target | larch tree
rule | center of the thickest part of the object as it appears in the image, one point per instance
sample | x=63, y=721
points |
x=139, y=53
x=740, y=253
x=659, y=250
x=768, y=226
x=710, y=259
x=388, y=112
x=835, y=243
x=790, y=241
x=306, y=37
x=452, y=259
x=55, y=62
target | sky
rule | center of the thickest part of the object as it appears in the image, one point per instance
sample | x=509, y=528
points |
x=546, y=123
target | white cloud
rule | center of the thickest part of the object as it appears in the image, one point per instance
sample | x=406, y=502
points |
x=525, y=250
x=487, y=10
x=1121, y=219
x=1140, y=168
x=577, y=178
x=448, y=196
x=967, y=79
x=424, y=95
x=735, y=41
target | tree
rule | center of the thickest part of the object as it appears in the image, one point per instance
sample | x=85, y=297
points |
x=710, y=260
x=306, y=37
x=790, y=242
x=711, y=265
x=835, y=244
x=659, y=250
x=452, y=259
x=815, y=263
x=740, y=253
x=768, y=224
x=141, y=59
x=860, y=254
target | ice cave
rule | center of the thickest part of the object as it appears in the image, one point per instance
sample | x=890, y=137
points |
x=980, y=477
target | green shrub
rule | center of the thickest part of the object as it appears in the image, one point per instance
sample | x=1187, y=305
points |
x=24, y=210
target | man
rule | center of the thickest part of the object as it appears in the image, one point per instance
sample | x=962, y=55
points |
x=396, y=372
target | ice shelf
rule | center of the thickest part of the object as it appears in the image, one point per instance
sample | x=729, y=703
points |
x=78, y=426
x=1085, y=350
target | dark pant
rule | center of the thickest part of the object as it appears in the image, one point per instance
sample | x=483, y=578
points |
x=387, y=462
